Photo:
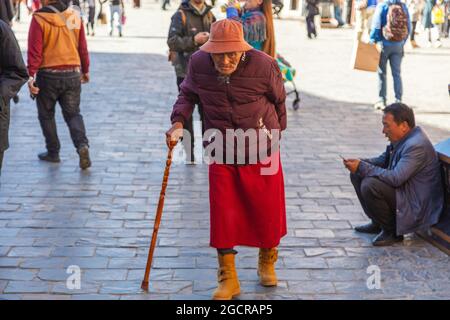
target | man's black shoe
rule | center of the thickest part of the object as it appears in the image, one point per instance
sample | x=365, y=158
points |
x=85, y=161
x=386, y=239
x=368, y=228
x=50, y=157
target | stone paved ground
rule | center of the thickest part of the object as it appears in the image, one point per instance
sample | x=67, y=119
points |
x=54, y=216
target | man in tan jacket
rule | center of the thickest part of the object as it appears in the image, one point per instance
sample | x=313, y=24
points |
x=58, y=63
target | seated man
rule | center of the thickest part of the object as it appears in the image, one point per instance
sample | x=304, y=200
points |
x=401, y=190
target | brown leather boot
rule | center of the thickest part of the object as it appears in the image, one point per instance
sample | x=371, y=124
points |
x=227, y=278
x=266, y=267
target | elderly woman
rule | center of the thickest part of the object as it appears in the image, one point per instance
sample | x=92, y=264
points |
x=240, y=88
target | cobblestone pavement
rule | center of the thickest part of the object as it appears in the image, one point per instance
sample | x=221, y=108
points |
x=53, y=216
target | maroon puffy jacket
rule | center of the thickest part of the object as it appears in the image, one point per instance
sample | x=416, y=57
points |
x=253, y=97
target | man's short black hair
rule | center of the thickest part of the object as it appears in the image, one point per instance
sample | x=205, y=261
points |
x=401, y=112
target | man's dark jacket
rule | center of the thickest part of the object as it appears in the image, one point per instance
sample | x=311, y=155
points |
x=6, y=11
x=182, y=32
x=13, y=74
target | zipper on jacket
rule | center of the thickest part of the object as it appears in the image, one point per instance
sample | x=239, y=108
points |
x=226, y=79
x=391, y=153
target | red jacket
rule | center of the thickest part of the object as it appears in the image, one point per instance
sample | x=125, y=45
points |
x=252, y=98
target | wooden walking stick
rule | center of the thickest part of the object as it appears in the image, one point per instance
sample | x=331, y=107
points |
x=144, y=284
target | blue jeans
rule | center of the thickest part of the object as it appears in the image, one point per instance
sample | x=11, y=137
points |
x=117, y=9
x=394, y=54
x=338, y=15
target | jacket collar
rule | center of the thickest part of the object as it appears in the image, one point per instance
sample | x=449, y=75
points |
x=60, y=6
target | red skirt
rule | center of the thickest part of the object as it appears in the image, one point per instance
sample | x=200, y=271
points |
x=247, y=208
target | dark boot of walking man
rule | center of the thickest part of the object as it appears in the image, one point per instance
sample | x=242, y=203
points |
x=58, y=63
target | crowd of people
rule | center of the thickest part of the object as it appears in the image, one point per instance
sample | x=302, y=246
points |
x=228, y=69
x=89, y=10
x=426, y=16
